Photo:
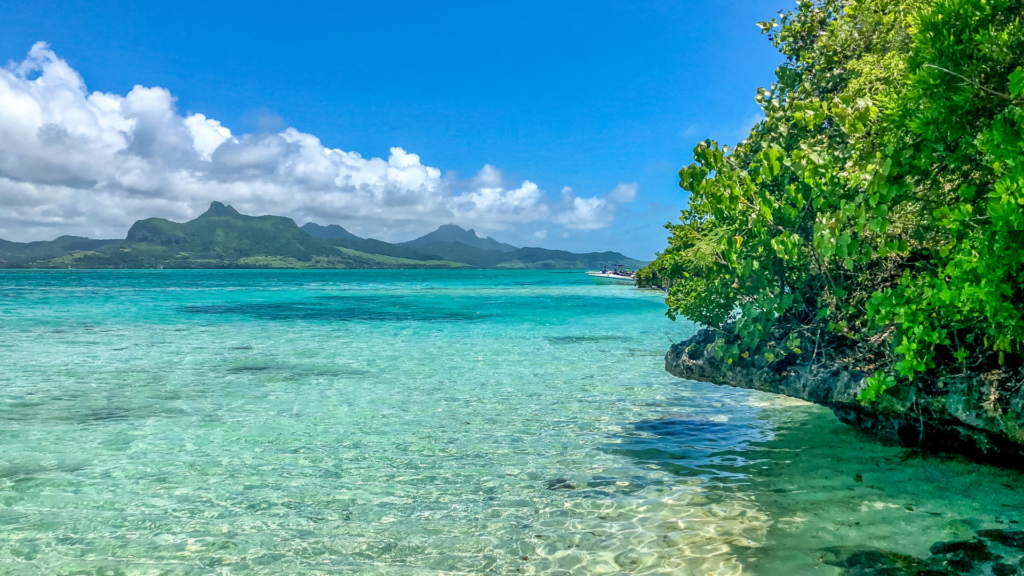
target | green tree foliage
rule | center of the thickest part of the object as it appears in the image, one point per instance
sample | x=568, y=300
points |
x=961, y=163
x=875, y=214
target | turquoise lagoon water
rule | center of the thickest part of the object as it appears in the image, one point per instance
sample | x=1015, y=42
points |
x=421, y=422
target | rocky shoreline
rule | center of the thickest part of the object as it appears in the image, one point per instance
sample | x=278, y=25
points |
x=945, y=415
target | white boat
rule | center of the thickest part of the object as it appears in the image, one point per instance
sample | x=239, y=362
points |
x=616, y=276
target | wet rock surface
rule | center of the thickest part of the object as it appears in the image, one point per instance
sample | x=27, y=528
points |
x=954, y=415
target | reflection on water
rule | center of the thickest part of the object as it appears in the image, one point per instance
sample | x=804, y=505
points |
x=424, y=422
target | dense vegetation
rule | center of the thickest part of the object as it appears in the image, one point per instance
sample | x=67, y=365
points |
x=875, y=217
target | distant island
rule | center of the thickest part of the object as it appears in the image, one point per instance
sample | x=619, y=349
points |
x=223, y=238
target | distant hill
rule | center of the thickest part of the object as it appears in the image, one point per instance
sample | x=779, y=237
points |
x=223, y=238
x=219, y=238
x=371, y=246
x=560, y=259
x=536, y=258
x=338, y=236
x=222, y=234
x=330, y=232
x=47, y=249
x=459, y=252
x=453, y=233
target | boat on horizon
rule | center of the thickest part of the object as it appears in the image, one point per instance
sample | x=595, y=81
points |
x=617, y=275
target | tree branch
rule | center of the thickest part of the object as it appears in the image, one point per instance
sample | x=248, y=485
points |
x=990, y=91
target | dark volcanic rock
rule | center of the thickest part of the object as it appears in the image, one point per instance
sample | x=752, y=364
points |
x=980, y=417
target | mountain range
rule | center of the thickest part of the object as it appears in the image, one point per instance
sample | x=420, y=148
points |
x=223, y=238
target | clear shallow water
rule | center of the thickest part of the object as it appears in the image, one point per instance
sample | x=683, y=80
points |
x=421, y=422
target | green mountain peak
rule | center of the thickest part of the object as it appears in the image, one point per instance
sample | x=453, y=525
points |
x=455, y=233
x=220, y=210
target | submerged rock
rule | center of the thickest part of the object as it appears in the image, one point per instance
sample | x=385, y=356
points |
x=1004, y=570
x=560, y=484
x=951, y=415
x=865, y=561
x=960, y=558
x=1008, y=538
x=974, y=549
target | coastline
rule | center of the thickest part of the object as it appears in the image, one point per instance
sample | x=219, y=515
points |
x=946, y=416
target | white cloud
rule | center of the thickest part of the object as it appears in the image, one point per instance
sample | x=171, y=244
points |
x=207, y=134
x=587, y=214
x=624, y=192
x=489, y=177
x=74, y=162
x=497, y=208
x=540, y=234
x=596, y=212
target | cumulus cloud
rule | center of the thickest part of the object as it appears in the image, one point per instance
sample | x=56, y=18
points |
x=75, y=162
x=624, y=192
x=207, y=134
x=587, y=214
x=497, y=208
x=590, y=213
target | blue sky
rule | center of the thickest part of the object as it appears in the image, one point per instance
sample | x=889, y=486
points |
x=561, y=94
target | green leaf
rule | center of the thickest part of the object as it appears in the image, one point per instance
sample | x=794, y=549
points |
x=1017, y=81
